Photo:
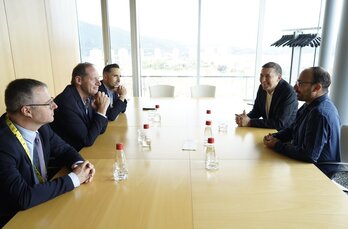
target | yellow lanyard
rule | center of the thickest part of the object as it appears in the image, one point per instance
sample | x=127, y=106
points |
x=18, y=135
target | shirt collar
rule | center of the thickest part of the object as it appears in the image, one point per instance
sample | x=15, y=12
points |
x=28, y=135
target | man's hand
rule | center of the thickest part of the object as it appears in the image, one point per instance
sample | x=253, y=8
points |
x=270, y=141
x=85, y=172
x=122, y=92
x=101, y=102
x=242, y=120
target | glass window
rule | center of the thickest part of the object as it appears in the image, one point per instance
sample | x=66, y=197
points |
x=228, y=45
x=120, y=38
x=278, y=22
x=90, y=32
x=168, y=36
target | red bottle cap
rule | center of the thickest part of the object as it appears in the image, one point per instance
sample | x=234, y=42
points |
x=210, y=140
x=208, y=123
x=208, y=111
x=157, y=106
x=146, y=126
x=119, y=146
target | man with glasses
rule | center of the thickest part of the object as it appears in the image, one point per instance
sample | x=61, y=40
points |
x=81, y=114
x=110, y=85
x=275, y=101
x=26, y=144
x=314, y=136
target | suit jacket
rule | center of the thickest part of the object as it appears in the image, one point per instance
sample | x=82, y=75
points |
x=282, y=112
x=71, y=121
x=118, y=105
x=18, y=190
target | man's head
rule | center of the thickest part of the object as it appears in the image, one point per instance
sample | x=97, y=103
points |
x=271, y=74
x=111, y=76
x=30, y=100
x=312, y=83
x=85, y=78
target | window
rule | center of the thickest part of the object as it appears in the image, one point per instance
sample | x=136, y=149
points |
x=120, y=39
x=226, y=32
x=298, y=15
x=90, y=32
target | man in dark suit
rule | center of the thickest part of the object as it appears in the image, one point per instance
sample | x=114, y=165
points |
x=26, y=144
x=81, y=114
x=110, y=85
x=275, y=101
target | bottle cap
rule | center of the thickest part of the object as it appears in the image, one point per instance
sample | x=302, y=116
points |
x=157, y=106
x=146, y=126
x=210, y=140
x=208, y=111
x=208, y=123
x=119, y=146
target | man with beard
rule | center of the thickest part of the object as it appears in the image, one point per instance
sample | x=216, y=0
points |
x=314, y=136
x=110, y=85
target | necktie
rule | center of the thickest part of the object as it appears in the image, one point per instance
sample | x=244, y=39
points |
x=38, y=157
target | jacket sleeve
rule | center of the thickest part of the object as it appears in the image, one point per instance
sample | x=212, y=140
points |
x=72, y=125
x=20, y=194
x=118, y=107
x=256, y=113
x=315, y=138
x=284, y=106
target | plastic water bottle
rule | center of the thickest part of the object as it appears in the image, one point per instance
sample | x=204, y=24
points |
x=211, y=161
x=120, y=165
x=157, y=115
x=146, y=142
x=208, y=133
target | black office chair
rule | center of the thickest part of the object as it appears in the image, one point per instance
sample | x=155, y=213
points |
x=338, y=171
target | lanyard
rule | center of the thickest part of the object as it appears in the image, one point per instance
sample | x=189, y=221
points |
x=18, y=135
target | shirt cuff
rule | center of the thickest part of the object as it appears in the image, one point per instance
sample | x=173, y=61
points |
x=74, y=179
x=102, y=115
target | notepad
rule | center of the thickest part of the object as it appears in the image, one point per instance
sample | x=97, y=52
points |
x=189, y=145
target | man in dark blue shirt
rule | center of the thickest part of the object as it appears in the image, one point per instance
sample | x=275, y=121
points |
x=314, y=136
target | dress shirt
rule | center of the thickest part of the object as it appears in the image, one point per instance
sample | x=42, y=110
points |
x=269, y=97
x=29, y=138
x=314, y=136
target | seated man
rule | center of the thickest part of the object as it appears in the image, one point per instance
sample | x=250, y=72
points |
x=314, y=136
x=81, y=113
x=110, y=85
x=275, y=101
x=26, y=143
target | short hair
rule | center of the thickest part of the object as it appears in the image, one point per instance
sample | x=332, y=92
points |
x=108, y=67
x=80, y=70
x=320, y=75
x=274, y=66
x=19, y=92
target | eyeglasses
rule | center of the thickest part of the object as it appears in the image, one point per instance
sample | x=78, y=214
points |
x=49, y=103
x=299, y=83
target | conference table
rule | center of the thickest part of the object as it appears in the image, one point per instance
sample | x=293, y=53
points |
x=169, y=187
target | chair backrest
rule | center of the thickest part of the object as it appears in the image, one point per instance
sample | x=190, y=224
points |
x=203, y=91
x=161, y=91
x=344, y=143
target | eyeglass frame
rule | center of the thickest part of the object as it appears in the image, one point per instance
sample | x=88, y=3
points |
x=299, y=83
x=48, y=103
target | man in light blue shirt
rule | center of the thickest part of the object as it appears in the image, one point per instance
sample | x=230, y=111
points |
x=26, y=145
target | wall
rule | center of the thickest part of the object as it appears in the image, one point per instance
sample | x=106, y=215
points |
x=38, y=39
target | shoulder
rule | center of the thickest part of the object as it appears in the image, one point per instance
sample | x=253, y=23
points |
x=284, y=85
x=8, y=141
x=68, y=96
x=102, y=87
